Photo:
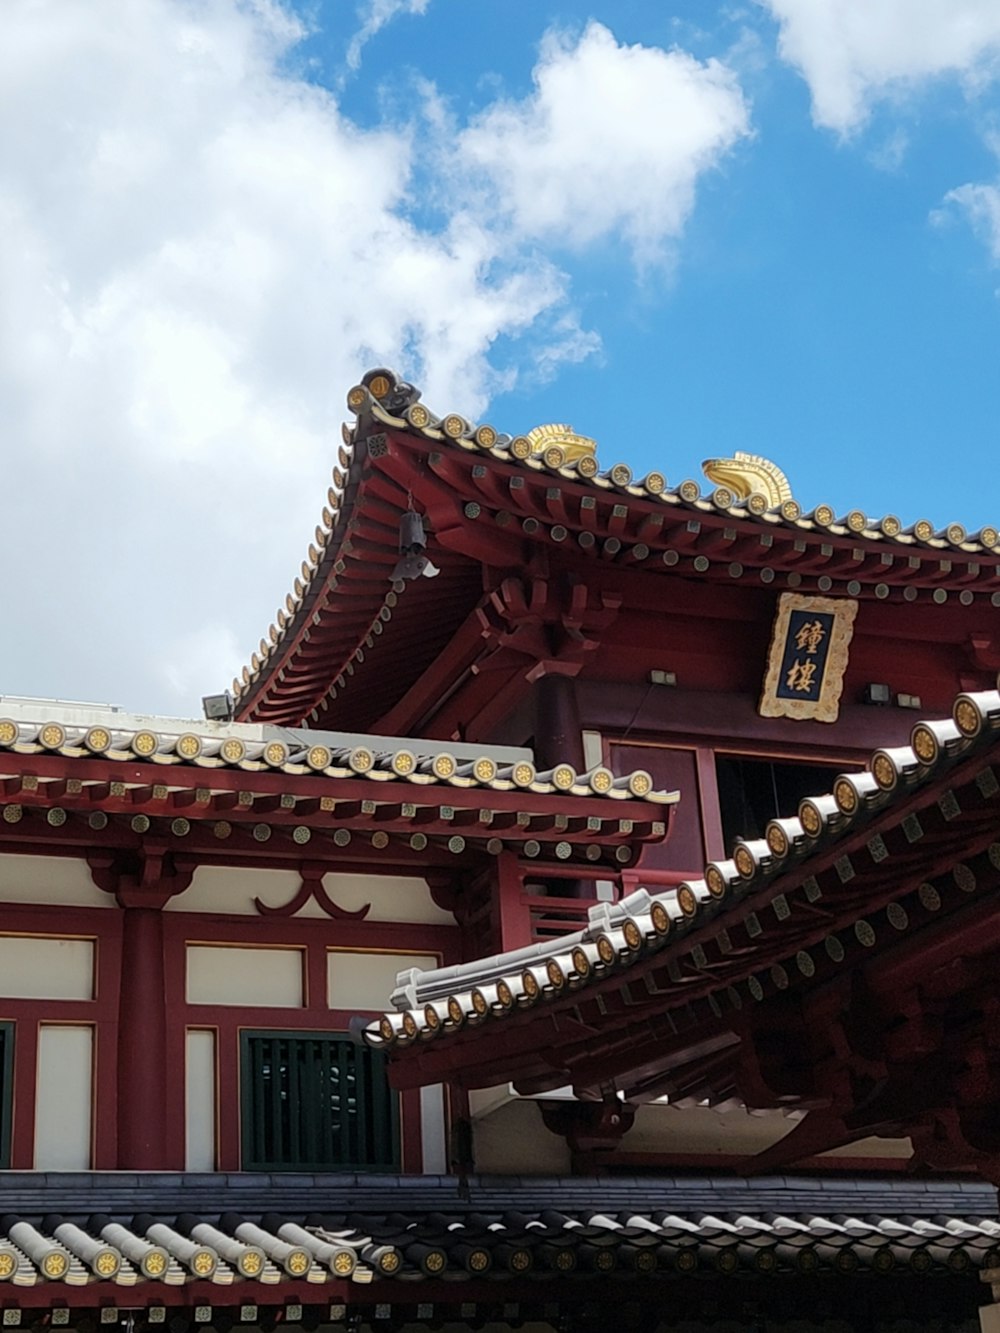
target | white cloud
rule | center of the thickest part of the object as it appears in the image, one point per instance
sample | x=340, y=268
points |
x=199, y=253
x=189, y=661
x=889, y=155
x=374, y=16
x=981, y=206
x=854, y=53
x=612, y=141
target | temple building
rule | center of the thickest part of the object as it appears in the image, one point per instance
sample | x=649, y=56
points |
x=579, y=912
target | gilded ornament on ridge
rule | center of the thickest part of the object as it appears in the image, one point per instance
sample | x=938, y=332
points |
x=573, y=446
x=746, y=474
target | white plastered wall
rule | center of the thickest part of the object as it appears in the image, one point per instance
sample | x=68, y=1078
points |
x=391, y=898
x=63, y=1097
x=34, y=968
x=512, y=1140
x=510, y=1137
x=593, y=748
x=229, y=974
x=231, y=891
x=358, y=981
x=433, y=1131
x=201, y=1095
x=61, y=880
x=702, y=1131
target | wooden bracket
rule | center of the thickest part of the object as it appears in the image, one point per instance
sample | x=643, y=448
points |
x=311, y=887
x=590, y=1126
x=147, y=878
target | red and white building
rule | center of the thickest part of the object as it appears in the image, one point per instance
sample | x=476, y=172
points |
x=550, y=825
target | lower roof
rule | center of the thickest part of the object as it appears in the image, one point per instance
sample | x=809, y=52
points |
x=80, y=731
x=672, y=930
x=94, y=772
x=34, y=1194
x=272, y=1232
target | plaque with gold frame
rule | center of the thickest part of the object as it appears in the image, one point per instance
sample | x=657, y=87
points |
x=808, y=657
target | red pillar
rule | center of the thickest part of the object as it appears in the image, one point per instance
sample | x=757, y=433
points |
x=558, y=737
x=142, y=1044
x=559, y=740
x=513, y=916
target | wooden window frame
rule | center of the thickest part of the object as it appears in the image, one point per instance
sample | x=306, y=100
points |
x=391, y=1131
x=8, y=1033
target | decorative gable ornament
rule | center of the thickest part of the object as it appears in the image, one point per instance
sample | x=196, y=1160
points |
x=559, y=444
x=749, y=474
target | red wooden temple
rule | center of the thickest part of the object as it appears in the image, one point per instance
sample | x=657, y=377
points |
x=646, y=833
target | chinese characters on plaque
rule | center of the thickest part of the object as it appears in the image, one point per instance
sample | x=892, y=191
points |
x=808, y=657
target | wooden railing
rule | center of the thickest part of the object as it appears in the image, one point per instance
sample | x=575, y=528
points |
x=551, y=916
x=556, y=916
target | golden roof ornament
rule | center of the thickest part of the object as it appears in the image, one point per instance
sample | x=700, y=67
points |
x=749, y=474
x=573, y=446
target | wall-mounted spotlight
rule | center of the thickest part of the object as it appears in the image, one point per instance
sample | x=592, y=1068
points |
x=413, y=563
x=218, y=707
x=877, y=694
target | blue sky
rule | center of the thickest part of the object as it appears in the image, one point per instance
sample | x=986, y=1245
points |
x=824, y=305
x=683, y=228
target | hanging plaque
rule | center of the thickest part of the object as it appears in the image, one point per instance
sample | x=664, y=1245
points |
x=808, y=657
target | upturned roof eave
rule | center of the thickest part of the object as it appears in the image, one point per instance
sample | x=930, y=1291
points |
x=829, y=831
x=80, y=776
x=502, y=500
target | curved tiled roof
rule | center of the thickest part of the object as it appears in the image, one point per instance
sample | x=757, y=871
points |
x=153, y=1254
x=392, y=409
x=538, y=495
x=84, y=767
x=327, y=755
x=177, y=1252
x=432, y=1004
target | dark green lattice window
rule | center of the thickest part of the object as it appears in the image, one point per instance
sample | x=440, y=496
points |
x=312, y=1101
x=6, y=1089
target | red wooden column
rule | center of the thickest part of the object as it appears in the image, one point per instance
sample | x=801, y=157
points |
x=512, y=915
x=558, y=733
x=142, y=887
x=142, y=1041
x=559, y=738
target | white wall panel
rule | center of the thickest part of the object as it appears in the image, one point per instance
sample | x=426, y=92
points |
x=63, y=880
x=224, y=974
x=593, y=748
x=433, y=1133
x=231, y=891
x=200, y=1100
x=513, y=1141
x=661, y=1128
x=365, y=980
x=63, y=1092
x=389, y=897
x=34, y=968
